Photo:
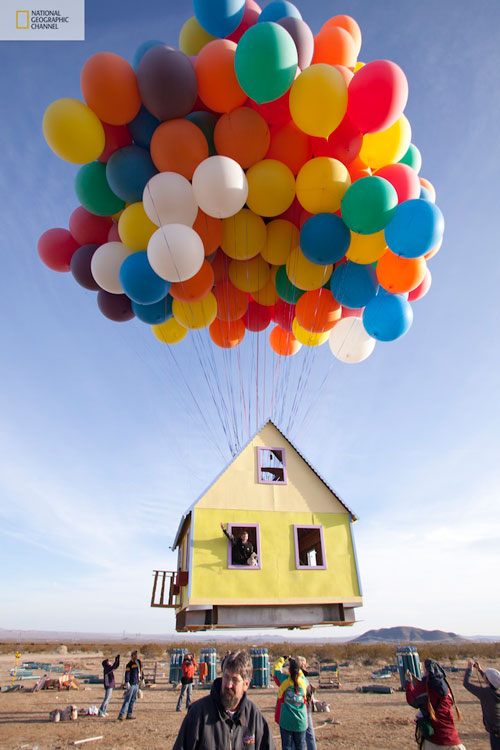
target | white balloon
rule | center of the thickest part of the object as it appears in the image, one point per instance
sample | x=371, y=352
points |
x=349, y=341
x=106, y=263
x=169, y=199
x=176, y=252
x=220, y=186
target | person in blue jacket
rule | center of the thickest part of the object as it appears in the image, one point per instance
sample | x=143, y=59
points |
x=132, y=679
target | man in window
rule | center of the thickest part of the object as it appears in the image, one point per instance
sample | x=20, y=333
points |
x=241, y=548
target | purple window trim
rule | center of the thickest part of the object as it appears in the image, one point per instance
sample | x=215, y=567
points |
x=230, y=565
x=260, y=450
x=298, y=566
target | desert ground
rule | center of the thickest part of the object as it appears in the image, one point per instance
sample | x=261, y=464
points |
x=367, y=721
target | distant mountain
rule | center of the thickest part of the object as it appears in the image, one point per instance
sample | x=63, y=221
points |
x=405, y=634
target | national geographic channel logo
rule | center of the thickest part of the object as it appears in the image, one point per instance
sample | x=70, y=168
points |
x=61, y=22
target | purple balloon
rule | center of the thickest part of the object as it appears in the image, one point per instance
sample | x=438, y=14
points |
x=116, y=307
x=167, y=82
x=303, y=38
x=80, y=267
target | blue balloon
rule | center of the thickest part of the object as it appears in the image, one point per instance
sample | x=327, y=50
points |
x=353, y=285
x=387, y=316
x=279, y=9
x=416, y=227
x=140, y=282
x=142, y=127
x=324, y=239
x=127, y=172
x=142, y=49
x=426, y=195
x=219, y=17
x=154, y=314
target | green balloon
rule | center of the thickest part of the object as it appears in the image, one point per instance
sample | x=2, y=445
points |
x=413, y=158
x=369, y=205
x=286, y=290
x=265, y=61
x=93, y=191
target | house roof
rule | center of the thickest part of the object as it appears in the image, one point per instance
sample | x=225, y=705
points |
x=187, y=513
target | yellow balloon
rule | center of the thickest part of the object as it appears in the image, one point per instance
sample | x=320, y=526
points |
x=321, y=184
x=170, y=332
x=282, y=237
x=195, y=314
x=268, y=294
x=358, y=66
x=318, y=100
x=135, y=227
x=366, y=248
x=243, y=235
x=249, y=275
x=193, y=37
x=308, y=338
x=271, y=187
x=387, y=146
x=304, y=274
x=73, y=131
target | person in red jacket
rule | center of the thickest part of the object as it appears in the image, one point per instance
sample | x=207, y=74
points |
x=434, y=698
x=188, y=667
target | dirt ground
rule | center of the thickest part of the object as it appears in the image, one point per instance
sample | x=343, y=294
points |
x=367, y=721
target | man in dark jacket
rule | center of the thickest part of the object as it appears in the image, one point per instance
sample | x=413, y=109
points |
x=489, y=695
x=109, y=682
x=241, y=547
x=133, y=676
x=226, y=718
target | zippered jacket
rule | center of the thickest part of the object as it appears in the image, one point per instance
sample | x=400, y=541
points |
x=445, y=731
x=291, y=706
x=208, y=726
x=133, y=672
x=490, y=703
x=188, y=667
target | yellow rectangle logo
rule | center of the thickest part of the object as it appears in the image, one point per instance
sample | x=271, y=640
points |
x=22, y=19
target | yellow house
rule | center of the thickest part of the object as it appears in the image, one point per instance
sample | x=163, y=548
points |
x=304, y=569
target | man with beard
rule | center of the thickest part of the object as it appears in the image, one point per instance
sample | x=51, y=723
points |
x=226, y=717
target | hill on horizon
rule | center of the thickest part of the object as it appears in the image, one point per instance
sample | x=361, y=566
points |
x=407, y=634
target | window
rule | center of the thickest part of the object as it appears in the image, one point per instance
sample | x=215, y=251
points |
x=234, y=558
x=271, y=466
x=309, y=547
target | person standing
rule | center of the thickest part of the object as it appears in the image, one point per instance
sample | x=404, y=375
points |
x=292, y=696
x=188, y=667
x=489, y=695
x=310, y=736
x=226, y=718
x=433, y=696
x=109, y=682
x=132, y=679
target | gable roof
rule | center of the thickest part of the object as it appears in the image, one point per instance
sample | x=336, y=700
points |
x=187, y=513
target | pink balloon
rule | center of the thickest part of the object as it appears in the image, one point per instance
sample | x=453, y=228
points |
x=348, y=312
x=377, y=96
x=422, y=289
x=250, y=17
x=404, y=180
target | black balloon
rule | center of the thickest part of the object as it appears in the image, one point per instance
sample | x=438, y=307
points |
x=167, y=82
x=116, y=307
x=80, y=267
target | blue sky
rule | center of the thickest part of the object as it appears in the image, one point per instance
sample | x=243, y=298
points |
x=102, y=445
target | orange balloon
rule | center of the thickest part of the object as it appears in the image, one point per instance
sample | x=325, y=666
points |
x=227, y=334
x=334, y=46
x=220, y=264
x=318, y=311
x=283, y=342
x=346, y=73
x=349, y=24
x=243, y=135
x=210, y=230
x=290, y=145
x=231, y=302
x=178, y=146
x=398, y=275
x=218, y=87
x=430, y=187
x=109, y=86
x=358, y=169
x=195, y=288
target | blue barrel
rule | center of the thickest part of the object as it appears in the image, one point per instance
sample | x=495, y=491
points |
x=212, y=664
x=176, y=659
x=408, y=658
x=260, y=667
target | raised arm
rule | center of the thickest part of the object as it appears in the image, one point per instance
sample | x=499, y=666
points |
x=468, y=684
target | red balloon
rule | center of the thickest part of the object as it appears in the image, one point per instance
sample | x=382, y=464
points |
x=377, y=96
x=250, y=16
x=275, y=113
x=348, y=312
x=293, y=213
x=89, y=229
x=56, y=248
x=404, y=180
x=422, y=289
x=257, y=317
x=343, y=144
x=284, y=313
x=290, y=146
x=117, y=136
x=114, y=234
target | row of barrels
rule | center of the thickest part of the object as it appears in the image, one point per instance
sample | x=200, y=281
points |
x=208, y=656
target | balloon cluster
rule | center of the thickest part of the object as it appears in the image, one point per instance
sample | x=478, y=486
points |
x=257, y=175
